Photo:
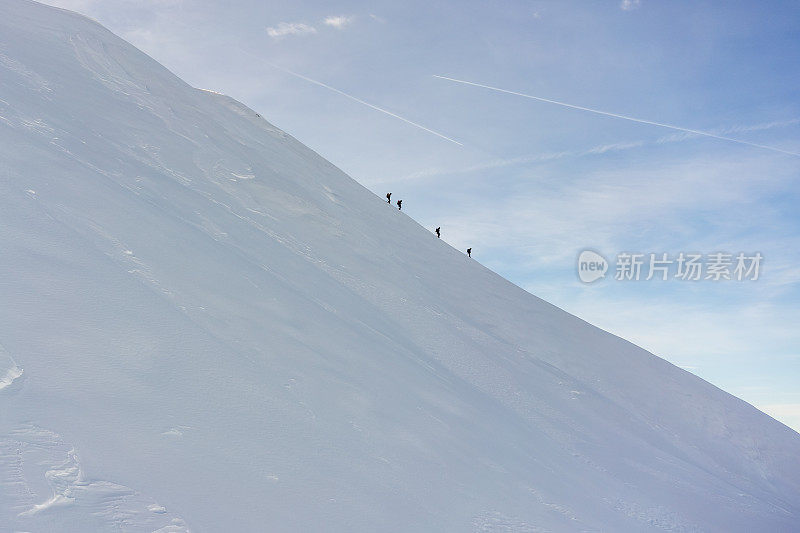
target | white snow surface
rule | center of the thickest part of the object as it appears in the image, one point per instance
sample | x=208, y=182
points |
x=221, y=331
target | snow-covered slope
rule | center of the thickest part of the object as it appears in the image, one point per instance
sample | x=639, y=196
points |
x=204, y=325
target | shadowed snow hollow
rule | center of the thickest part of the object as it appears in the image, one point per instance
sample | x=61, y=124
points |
x=206, y=326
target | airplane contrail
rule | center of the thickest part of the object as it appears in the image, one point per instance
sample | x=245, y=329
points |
x=351, y=97
x=615, y=115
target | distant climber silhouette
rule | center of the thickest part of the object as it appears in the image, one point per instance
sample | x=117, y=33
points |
x=388, y=197
x=400, y=205
x=439, y=232
x=469, y=252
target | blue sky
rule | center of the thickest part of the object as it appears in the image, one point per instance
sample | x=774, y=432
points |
x=532, y=183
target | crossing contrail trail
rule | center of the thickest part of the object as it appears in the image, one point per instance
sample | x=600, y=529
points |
x=615, y=115
x=351, y=97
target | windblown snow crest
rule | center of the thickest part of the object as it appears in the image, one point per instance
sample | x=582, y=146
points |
x=9, y=371
x=220, y=330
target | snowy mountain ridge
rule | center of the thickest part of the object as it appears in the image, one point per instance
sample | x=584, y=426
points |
x=207, y=326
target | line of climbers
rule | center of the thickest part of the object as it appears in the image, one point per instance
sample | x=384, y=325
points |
x=438, y=230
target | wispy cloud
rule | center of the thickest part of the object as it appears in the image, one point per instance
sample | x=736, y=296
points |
x=290, y=28
x=677, y=137
x=594, y=150
x=706, y=331
x=761, y=126
x=619, y=116
x=628, y=5
x=545, y=220
x=337, y=21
